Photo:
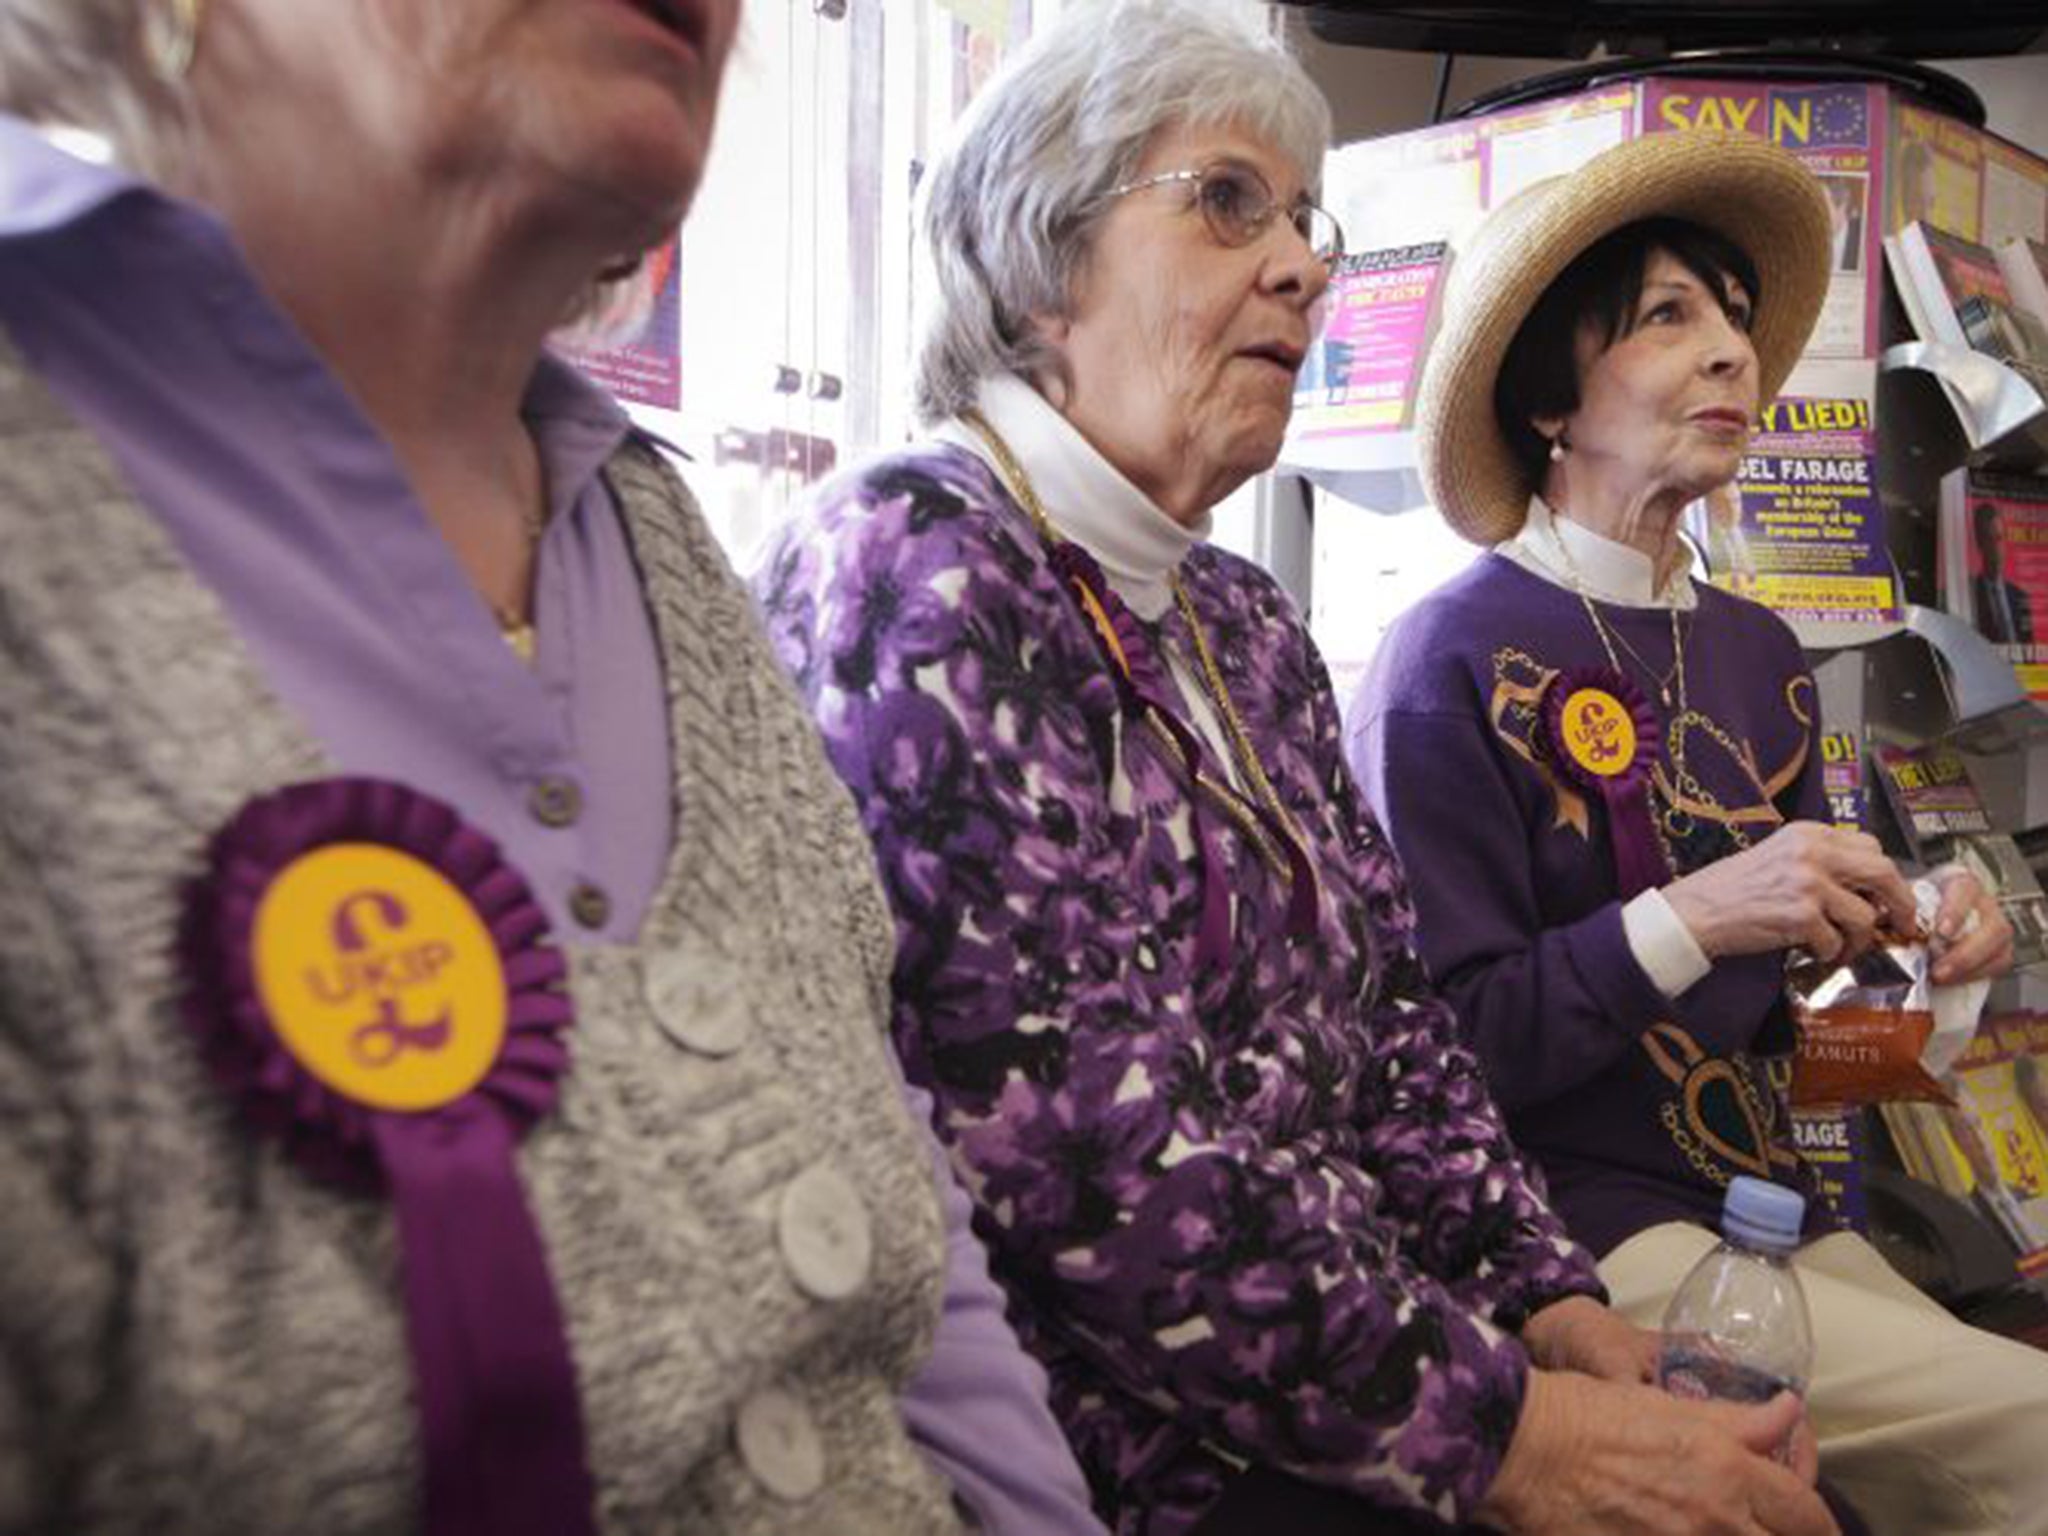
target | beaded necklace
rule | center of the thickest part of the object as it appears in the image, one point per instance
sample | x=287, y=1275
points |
x=1680, y=798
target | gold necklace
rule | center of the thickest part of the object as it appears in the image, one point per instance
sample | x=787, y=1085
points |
x=1677, y=822
x=1233, y=723
x=516, y=627
x=1224, y=795
x=1686, y=791
x=1608, y=638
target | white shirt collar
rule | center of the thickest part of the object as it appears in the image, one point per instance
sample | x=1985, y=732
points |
x=1086, y=497
x=1607, y=570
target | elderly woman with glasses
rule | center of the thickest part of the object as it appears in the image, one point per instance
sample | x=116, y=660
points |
x=1251, y=1200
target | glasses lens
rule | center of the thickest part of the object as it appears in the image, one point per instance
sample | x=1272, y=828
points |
x=1237, y=203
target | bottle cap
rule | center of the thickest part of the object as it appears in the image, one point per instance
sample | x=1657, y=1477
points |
x=1763, y=1215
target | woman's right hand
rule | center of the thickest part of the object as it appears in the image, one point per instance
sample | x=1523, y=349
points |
x=1806, y=886
x=1592, y=1455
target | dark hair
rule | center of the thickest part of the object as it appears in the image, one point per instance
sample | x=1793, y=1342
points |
x=1539, y=376
x=1985, y=515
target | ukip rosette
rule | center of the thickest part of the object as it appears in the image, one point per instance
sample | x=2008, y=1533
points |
x=374, y=985
x=1599, y=733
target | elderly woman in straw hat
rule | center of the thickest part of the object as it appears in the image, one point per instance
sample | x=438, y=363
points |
x=443, y=1082
x=1635, y=838
x=1154, y=962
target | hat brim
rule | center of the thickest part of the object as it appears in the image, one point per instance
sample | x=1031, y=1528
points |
x=1751, y=192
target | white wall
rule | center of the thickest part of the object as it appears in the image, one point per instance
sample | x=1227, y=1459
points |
x=2015, y=93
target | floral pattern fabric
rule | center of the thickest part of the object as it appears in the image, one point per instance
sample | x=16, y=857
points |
x=1261, y=1211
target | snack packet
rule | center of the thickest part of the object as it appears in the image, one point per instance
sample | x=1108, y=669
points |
x=1877, y=1028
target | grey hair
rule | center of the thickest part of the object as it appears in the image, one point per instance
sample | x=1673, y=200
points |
x=85, y=64
x=1009, y=210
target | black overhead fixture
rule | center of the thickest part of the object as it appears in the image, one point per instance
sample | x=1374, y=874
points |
x=1577, y=29
x=1917, y=83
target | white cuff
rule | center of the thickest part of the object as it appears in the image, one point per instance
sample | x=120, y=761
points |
x=1663, y=946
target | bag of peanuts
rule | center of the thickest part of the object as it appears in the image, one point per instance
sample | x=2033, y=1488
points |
x=1877, y=1028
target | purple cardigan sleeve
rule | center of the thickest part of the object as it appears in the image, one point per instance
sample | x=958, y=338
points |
x=1336, y=1302
x=1418, y=1041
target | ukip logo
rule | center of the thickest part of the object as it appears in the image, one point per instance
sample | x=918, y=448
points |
x=380, y=977
x=384, y=974
x=1598, y=733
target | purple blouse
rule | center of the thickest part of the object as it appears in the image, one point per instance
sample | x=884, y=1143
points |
x=1260, y=1211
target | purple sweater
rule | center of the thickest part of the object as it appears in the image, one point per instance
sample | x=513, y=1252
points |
x=1266, y=1208
x=1638, y=1107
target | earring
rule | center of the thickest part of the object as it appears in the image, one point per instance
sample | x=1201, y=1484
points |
x=171, y=37
x=1560, y=445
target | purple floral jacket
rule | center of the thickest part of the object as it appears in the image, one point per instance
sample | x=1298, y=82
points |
x=1263, y=1212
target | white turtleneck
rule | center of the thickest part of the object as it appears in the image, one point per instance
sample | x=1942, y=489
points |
x=1090, y=501
x=1608, y=570
x=1560, y=550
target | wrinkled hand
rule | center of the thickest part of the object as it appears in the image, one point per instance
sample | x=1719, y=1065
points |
x=1631, y=1461
x=1579, y=1334
x=1806, y=886
x=1962, y=952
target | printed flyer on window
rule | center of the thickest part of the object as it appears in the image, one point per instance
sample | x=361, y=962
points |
x=1803, y=531
x=1836, y=131
x=643, y=363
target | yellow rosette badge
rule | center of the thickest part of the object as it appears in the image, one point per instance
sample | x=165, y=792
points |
x=1598, y=732
x=379, y=977
x=375, y=986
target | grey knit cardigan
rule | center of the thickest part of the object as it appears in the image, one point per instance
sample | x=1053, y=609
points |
x=194, y=1335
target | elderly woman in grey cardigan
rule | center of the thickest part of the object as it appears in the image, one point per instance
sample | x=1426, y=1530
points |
x=443, y=1083
x=1155, y=961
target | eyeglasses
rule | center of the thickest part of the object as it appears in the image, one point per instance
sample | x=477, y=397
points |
x=1237, y=205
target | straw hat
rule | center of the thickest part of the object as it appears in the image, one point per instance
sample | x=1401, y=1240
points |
x=1753, y=193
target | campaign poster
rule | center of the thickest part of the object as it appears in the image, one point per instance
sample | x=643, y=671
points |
x=1931, y=795
x=1841, y=767
x=1360, y=374
x=1937, y=173
x=2004, y=521
x=1407, y=203
x=1521, y=146
x=1835, y=131
x=1829, y=1140
x=2015, y=194
x=2001, y=1127
x=1407, y=188
x=1808, y=538
x=641, y=361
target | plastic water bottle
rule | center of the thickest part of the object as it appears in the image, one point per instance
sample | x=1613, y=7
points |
x=1737, y=1328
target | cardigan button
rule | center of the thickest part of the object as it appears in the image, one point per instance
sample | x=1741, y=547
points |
x=698, y=1003
x=780, y=1444
x=589, y=905
x=822, y=1227
x=555, y=802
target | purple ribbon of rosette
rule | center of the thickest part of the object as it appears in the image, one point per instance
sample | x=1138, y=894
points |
x=1142, y=690
x=1607, y=749
x=501, y=1422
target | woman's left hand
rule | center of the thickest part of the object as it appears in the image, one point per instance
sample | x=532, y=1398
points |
x=1984, y=950
x=1579, y=1334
